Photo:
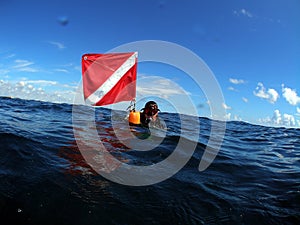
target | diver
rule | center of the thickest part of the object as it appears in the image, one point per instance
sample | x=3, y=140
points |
x=149, y=114
x=147, y=117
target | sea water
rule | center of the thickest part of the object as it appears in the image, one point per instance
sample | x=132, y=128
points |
x=46, y=179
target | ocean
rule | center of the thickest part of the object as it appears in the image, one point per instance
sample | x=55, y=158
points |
x=50, y=173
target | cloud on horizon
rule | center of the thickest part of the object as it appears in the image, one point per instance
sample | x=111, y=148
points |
x=278, y=119
x=42, y=90
x=285, y=119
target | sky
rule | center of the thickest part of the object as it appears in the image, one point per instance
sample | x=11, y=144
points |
x=251, y=47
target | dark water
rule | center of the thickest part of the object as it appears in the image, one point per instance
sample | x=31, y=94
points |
x=255, y=178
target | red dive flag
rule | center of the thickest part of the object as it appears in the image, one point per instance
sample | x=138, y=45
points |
x=109, y=78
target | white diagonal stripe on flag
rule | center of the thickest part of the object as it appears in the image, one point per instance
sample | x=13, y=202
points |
x=111, y=81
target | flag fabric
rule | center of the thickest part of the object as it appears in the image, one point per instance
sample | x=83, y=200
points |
x=109, y=78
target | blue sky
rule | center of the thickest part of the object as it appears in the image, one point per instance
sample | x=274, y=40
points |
x=252, y=47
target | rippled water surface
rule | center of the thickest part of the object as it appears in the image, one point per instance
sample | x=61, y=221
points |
x=45, y=179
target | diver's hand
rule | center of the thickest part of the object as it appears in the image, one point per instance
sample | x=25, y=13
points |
x=158, y=124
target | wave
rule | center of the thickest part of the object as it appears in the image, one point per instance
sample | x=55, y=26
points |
x=45, y=178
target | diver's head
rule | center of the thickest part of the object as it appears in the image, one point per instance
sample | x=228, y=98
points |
x=151, y=108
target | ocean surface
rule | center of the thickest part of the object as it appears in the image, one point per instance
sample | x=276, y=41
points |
x=47, y=177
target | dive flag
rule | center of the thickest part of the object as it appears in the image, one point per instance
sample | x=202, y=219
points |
x=109, y=78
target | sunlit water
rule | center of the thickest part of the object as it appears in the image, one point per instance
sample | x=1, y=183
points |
x=255, y=178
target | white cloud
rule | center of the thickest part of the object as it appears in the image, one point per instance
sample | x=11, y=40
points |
x=265, y=121
x=53, y=91
x=10, y=56
x=271, y=94
x=57, y=44
x=158, y=86
x=78, y=68
x=290, y=95
x=226, y=107
x=232, y=89
x=165, y=92
x=237, y=118
x=243, y=12
x=278, y=119
x=35, y=90
x=298, y=111
x=288, y=120
x=61, y=70
x=20, y=63
x=261, y=91
x=21, y=83
x=236, y=81
x=28, y=69
x=4, y=71
x=227, y=116
x=245, y=99
x=24, y=66
x=42, y=82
